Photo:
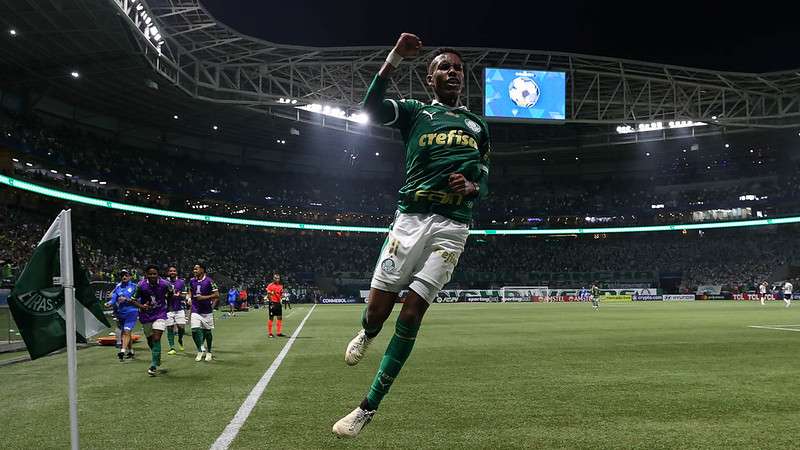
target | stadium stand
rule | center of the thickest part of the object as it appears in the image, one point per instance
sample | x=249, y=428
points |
x=339, y=262
x=681, y=182
x=675, y=187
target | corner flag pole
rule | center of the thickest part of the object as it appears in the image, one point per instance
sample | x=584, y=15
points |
x=68, y=281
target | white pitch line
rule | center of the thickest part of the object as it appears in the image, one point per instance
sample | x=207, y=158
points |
x=774, y=328
x=232, y=430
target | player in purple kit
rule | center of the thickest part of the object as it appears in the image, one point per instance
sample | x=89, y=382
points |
x=204, y=297
x=176, y=316
x=151, y=298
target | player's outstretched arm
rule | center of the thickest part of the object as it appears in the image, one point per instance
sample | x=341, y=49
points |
x=375, y=104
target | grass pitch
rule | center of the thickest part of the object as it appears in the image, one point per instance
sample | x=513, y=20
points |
x=8, y=328
x=641, y=375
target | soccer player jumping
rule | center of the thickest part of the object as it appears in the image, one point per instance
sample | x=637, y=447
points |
x=447, y=156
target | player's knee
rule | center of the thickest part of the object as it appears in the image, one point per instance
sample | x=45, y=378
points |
x=417, y=301
x=413, y=310
x=380, y=305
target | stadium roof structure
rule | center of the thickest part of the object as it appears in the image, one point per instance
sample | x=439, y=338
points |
x=201, y=66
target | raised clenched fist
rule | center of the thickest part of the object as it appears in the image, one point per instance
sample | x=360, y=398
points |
x=408, y=45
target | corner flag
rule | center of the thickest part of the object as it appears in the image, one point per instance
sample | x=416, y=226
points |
x=37, y=299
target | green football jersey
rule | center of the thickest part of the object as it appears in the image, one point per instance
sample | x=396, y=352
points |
x=439, y=141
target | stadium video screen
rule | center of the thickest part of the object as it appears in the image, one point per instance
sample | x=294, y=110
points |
x=516, y=94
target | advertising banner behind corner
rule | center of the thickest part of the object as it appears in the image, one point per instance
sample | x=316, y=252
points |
x=339, y=301
x=722, y=296
x=525, y=294
x=608, y=298
x=678, y=297
x=468, y=295
x=647, y=298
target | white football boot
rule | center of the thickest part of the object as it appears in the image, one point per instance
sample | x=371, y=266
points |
x=356, y=348
x=350, y=425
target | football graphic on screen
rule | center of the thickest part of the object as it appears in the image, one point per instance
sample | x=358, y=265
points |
x=523, y=91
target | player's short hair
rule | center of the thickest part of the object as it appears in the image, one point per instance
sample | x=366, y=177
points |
x=442, y=51
x=151, y=266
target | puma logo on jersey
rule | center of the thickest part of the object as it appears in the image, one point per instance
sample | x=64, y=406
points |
x=430, y=114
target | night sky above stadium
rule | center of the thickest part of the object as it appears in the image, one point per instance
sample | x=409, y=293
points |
x=710, y=34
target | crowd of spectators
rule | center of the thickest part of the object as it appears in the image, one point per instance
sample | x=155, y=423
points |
x=687, y=182
x=736, y=259
x=246, y=256
x=712, y=180
x=109, y=242
x=179, y=175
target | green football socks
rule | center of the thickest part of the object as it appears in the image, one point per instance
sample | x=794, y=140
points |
x=209, y=338
x=171, y=338
x=197, y=337
x=393, y=359
x=155, y=353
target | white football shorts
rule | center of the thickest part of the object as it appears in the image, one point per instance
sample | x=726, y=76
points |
x=158, y=324
x=420, y=253
x=176, y=318
x=204, y=321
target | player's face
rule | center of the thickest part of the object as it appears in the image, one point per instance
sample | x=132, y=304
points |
x=276, y=278
x=172, y=272
x=152, y=276
x=126, y=277
x=447, y=78
x=198, y=271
